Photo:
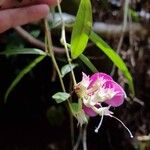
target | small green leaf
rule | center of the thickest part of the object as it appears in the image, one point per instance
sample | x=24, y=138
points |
x=75, y=107
x=67, y=68
x=81, y=29
x=114, y=57
x=18, y=51
x=35, y=33
x=88, y=63
x=134, y=15
x=60, y=97
x=27, y=69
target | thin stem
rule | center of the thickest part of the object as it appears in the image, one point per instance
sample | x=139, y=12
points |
x=71, y=129
x=125, y=17
x=50, y=50
x=71, y=116
x=79, y=139
x=63, y=40
x=84, y=137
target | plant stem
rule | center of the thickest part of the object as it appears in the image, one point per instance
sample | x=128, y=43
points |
x=125, y=17
x=84, y=137
x=78, y=139
x=63, y=41
x=50, y=51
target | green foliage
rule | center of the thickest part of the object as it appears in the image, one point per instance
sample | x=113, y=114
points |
x=134, y=15
x=75, y=107
x=67, y=68
x=114, y=57
x=88, y=63
x=19, y=51
x=23, y=72
x=81, y=28
x=60, y=97
x=35, y=33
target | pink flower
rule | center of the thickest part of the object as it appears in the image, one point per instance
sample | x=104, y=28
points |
x=97, y=89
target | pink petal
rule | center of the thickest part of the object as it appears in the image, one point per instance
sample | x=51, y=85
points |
x=98, y=75
x=118, y=99
x=89, y=111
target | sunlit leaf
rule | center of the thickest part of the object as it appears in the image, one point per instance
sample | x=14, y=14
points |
x=81, y=29
x=23, y=72
x=60, y=97
x=67, y=68
x=114, y=57
x=18, y=51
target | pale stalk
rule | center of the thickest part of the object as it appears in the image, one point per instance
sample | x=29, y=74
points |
x=50, y=50
x=63, y=40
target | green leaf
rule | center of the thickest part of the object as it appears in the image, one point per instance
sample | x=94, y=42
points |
x=78, y=113
x=134, y=15
x=81, y=29
x=75, y=107
x=27, y=69
x=114, y=57
x=67, y=68
x=60, y=97
x=88, y=63
x=35, y=33
x=19, y=51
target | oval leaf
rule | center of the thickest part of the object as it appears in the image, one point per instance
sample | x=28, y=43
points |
x=61, y=97
x=114, y=57
x=81, y=28
x=67, y=68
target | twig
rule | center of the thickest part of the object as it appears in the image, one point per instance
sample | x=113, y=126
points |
x=39, y=44
x=84, y=137
x=64, y=42
x=78, y=139
x=126, y=6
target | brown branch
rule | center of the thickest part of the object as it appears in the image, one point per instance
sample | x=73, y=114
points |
x=33, y=41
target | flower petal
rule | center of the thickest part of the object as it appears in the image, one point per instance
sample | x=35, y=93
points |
x=89, y=111
x=98, y=75
x=118, y=99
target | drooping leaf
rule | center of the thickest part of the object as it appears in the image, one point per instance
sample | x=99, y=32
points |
x=60, y=97
x=67, y=68
x=18, y=51
x=114, y=57
x=23, y=72
x=81, y=29
x=88, y=63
